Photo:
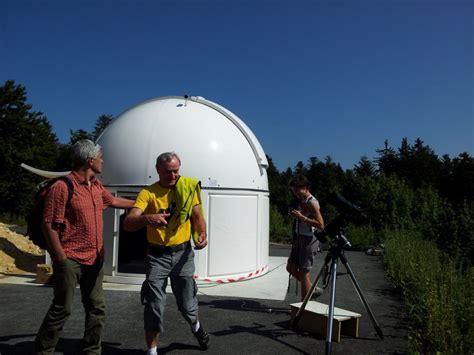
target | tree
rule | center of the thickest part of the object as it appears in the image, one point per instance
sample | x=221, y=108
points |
x=417, y=164
x=25, y=137
x=365, y=167
x=404, y=163
x=424, y=166
x=458, y=179
x=387, y=160
x=300, y=168
x=280, y=195
x=102, y=122
x=79, y=134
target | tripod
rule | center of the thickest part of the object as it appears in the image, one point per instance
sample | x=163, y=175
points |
x=336, y=252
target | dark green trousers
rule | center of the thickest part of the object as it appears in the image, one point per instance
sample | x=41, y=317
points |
x=66, y=277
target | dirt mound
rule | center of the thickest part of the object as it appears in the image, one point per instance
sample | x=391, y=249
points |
x=18, y=255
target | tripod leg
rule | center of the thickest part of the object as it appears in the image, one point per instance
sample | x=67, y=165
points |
x=296, y=319
x=361, y=295
x=332, y=301
x=289, y=281
x=293, y=254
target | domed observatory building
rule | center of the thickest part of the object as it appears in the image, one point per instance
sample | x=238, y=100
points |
x=217, y=148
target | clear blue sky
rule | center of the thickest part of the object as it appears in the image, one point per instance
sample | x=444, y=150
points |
x=310, y=78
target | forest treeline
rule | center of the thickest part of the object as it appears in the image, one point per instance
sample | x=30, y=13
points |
x=418, y=204
x=407, y=188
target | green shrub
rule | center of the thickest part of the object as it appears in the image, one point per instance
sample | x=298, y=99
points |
x=362, y=237
x=10, y=219
x=280, y=226
x=438, y=293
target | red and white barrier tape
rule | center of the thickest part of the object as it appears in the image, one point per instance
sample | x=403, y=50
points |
x=242, y=278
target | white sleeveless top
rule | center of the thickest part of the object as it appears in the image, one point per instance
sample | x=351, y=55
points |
x=305, y=228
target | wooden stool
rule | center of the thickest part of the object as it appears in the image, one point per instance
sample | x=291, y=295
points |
x=315, y=317
x=44, y=273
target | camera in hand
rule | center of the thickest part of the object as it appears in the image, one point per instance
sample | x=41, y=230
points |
x=335, y=229
x=171, y=208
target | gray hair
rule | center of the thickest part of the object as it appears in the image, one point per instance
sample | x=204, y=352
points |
x=82, y=151
x=166, y=157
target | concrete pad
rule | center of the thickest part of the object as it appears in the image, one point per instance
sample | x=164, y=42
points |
x=271, y=285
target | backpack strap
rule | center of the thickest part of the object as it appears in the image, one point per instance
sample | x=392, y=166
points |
x=70, y=188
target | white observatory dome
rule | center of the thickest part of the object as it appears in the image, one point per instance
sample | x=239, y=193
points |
x=217, y=148
x=214, y=145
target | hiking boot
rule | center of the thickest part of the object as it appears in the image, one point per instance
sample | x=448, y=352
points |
x=202, y=337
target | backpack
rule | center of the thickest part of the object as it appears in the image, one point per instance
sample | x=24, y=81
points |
x=34, y=219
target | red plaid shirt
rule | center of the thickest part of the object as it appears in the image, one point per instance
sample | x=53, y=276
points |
x=80, y=226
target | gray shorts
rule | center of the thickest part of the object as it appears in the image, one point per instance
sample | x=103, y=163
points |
x=179, y=267
x=303, y=251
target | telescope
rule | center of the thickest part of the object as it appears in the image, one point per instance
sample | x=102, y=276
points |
x=335, y=229
x=344, y=207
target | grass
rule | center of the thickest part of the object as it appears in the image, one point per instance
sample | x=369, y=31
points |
x=439, y=294
x=8, y=219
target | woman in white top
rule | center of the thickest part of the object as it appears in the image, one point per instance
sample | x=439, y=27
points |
x=305, y=246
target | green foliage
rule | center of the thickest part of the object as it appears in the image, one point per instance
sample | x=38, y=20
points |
x=417, y=164
x=279, y=192
x=79, y=134
x=391, y=204
x=365, y=168
x=280, y=226
x=439, y=293
x=102, y=122
x=325, y=177
x=457, y=178
x=387, y=201
x=63, y=162
x=25, y=137
x=9, y=219
x=362, y=237
x=455, y=234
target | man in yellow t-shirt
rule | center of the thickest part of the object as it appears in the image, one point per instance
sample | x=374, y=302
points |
x=161, y=209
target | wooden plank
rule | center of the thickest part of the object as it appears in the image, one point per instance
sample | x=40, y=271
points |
x=315, y=316
x=44, y=272
x=350, y=327
x=315, y=323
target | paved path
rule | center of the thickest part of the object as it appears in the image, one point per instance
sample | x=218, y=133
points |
x=237, y=325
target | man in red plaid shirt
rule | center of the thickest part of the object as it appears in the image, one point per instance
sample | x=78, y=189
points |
x=74, y=235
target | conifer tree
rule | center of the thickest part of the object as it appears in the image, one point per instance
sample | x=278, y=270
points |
x=26, y=137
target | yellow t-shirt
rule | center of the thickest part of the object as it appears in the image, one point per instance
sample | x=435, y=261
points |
x=151, y=200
